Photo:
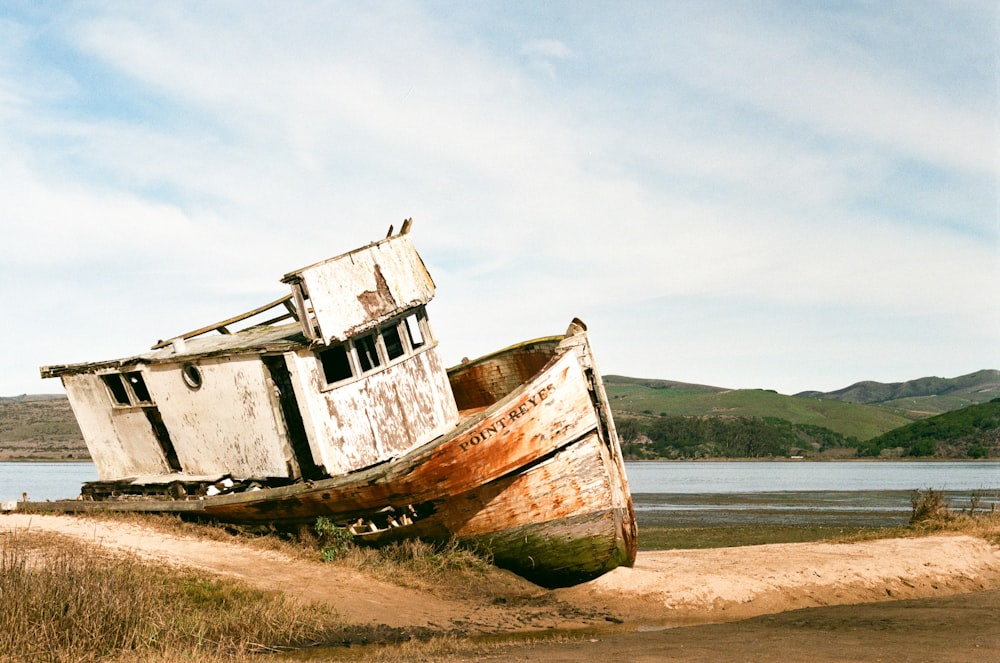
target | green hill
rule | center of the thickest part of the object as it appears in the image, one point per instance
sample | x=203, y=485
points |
x=679, y=437
x=664, y=418
x=631, y=397
x=40, y=427
x=971, y=432
x=921, y=397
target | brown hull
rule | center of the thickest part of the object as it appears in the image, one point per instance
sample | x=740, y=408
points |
x=536, y=478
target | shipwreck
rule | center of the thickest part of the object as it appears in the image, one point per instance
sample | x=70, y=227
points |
x=333, y=401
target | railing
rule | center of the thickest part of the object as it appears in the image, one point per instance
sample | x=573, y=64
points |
x=223, y=326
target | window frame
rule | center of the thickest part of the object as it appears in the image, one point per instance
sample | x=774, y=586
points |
x=352, y=364
x=369, y=358
x=127, y=397
x=401, y=328
x=420, y=318
x=127, y=378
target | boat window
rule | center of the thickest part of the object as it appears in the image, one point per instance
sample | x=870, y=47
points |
x=373, y=349
x=116, y=388
x=336, y=363
x=138, y=387
x=192, y=376
x=367, y=352
x=412, y=323
x=393, y=343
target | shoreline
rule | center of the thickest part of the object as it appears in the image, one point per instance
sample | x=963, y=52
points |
x=809, y=459
x=628, y=607
x=776, y=459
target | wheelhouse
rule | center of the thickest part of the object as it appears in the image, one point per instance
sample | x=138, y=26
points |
x=346, y=375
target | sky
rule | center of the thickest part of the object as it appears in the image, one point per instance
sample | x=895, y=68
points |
x=776, y=195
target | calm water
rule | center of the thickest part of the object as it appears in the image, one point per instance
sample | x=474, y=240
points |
x=764, y=476
x=44, y=481
x=684, y=494
x=846, y=494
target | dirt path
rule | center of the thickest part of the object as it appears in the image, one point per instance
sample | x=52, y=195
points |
x=961, y=628
x=667, y=588
x=724, y=584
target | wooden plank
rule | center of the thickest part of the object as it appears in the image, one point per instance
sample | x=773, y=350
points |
x=500, y=441
x=303, y=313
x=357, y=291
x=229, y=321
x=84, y=506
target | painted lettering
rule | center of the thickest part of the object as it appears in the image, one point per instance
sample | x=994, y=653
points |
x=498, y=425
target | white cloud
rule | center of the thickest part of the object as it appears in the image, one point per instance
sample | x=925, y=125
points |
x=546, y=48
x=805, y=78
x=771, y=167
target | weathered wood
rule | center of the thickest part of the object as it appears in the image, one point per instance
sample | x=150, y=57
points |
x=532, y=477
x=308, y=326
x=537, y=456
x=84, y=506
x=350, y=414
x=361, y=289
x=556, y=523
x=220, y=326
x=383, y=416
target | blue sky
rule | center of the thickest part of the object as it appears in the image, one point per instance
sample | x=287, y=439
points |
x=782, y=195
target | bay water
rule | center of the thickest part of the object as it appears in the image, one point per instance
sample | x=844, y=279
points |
x=44, y=481
x=703, y=493
x=833, y=494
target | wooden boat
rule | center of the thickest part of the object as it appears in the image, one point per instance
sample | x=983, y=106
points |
x=347, y=412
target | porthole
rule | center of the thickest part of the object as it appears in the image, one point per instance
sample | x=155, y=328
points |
x=191, y=375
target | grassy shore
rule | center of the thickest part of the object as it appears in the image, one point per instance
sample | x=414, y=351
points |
x=728, y=536
x=63, y=600
x=68, y=601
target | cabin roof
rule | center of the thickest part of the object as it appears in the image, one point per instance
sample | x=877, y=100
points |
x=333, y=300
x=255, y=340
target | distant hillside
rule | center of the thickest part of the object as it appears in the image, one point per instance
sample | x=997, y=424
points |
x=631, y=397
x=25, y=398
x=972, y=432
x=923, y=396
x=667, y=419
x=622, y=381
x=673, y=437
x=661, y=418
x=39, y=427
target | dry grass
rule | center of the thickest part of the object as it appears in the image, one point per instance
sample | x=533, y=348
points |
x=171, y=616
x=932, y=513
x=447, y=568
x=61, y=600
x=263, y=538
x=451, y=649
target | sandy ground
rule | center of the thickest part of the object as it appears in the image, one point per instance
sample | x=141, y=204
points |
x=742, y=603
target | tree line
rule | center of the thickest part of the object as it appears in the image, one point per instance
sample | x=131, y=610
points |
x=972, y=432
x=723, y=437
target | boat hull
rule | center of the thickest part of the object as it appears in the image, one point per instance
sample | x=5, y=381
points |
x=535, y=478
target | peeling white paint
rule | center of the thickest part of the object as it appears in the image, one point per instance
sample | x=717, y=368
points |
x=361, y=289
x=214, y=408
x=120, y=439
x=226, y=426
x=381, y=416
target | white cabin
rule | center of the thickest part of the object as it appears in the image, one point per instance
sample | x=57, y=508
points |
x=354, y=379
